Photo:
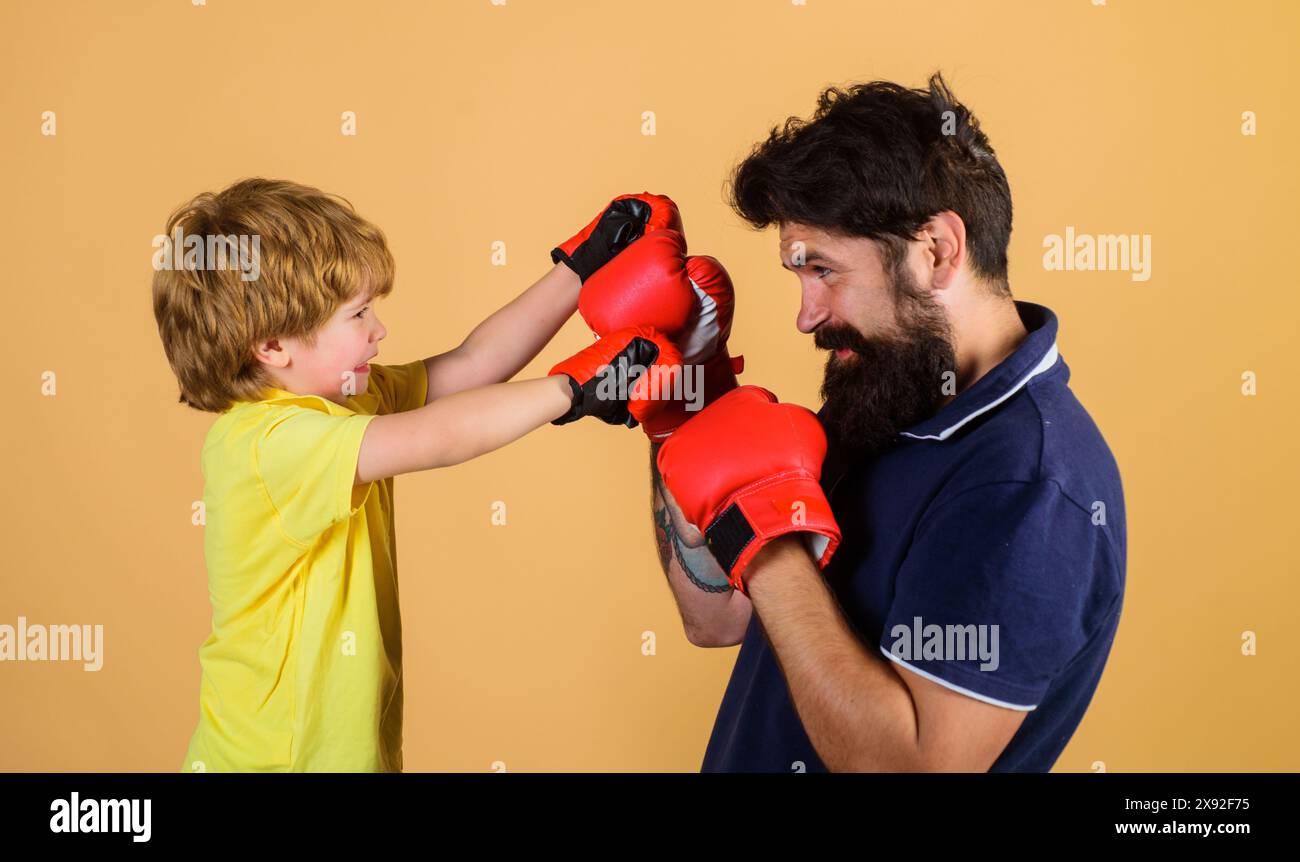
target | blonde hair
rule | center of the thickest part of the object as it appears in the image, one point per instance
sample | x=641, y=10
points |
x=314, y=253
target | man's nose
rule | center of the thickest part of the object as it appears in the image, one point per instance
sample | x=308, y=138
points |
x=812, y=308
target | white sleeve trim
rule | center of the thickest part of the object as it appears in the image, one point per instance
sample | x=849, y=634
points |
x=943, y=682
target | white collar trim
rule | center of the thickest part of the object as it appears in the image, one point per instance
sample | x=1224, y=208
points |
x=1048, y=360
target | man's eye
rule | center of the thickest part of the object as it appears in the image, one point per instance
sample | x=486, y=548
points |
x=821, y=271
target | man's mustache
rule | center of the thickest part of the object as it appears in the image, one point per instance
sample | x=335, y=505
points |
x=840, y=338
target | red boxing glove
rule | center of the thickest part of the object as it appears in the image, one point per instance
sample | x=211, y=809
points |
x=746, y=470
x=689, y=299
x=710, y=370
x=618, y=225
x=618, y=378
x=646, y=285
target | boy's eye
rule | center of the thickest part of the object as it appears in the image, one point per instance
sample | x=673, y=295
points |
x=362, y=311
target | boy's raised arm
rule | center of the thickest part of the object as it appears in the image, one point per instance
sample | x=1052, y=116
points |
x=509, y=338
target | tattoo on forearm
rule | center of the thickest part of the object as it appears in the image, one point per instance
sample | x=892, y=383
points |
x=663, y=535
x=696, y=560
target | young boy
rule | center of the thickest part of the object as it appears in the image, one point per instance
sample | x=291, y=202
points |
x=303, y=668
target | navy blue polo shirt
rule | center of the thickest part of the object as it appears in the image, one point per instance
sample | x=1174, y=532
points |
x=985, y=552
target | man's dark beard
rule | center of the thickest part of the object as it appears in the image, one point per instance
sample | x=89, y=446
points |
x=894, y=381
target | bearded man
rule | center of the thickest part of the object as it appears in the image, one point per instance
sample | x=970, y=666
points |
x=945, y=592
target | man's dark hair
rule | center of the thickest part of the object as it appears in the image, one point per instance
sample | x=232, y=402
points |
x=879, y=160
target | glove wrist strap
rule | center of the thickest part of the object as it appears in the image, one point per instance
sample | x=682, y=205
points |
x=793, y=503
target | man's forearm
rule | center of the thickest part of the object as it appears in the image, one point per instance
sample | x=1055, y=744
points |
x=857, y=711
x=713, y=614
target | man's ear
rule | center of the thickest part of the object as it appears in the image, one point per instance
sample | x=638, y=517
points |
x=945, y=248
x=271, y=353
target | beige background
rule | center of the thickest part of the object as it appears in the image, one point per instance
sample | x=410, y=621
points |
x=480, y=123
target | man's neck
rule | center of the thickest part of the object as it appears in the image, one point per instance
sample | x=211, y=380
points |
x=987, y=332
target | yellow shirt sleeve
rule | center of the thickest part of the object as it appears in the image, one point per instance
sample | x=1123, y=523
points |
x=307, y=461
x=396, y=388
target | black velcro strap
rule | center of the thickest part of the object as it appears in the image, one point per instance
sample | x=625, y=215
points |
x=728, y=535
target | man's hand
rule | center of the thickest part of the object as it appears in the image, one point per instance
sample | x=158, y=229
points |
x=745, y=471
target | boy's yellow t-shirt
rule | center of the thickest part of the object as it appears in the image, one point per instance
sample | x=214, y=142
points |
x=303, y=669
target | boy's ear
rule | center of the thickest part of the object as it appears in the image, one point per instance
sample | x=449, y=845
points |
x=271, y=353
